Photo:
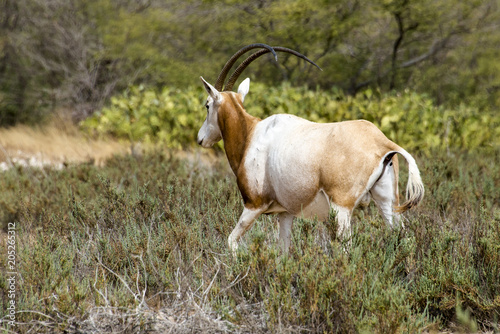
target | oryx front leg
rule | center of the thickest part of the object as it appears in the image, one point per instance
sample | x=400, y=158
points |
x=286, y=222
x=246, y=221
x=344, y=222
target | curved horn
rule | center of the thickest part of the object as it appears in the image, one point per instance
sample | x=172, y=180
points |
x=222, y=76
x=246, y=62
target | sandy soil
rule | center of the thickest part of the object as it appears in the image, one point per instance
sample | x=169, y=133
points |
x=53, y=145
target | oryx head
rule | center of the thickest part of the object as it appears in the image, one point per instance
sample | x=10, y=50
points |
x=210, y=132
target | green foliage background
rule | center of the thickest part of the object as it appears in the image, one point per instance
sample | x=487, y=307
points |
x=172, y=117
x=73, y=56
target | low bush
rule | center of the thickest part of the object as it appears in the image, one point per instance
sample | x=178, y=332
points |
x=141, y=245
x=172, y=116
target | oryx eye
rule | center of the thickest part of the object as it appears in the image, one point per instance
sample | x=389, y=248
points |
x=206, y=105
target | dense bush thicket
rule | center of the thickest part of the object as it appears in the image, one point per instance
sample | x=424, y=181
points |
x=140, y=245
x=172, y=116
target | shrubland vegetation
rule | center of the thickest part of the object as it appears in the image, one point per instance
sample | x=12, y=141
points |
x=140, y=245
x=172, y=117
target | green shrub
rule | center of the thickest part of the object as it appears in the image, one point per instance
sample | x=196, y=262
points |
x=172, y=117
x=169, y=117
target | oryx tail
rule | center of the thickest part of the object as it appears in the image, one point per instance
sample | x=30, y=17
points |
x=415, y=186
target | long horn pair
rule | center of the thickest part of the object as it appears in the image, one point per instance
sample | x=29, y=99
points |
x=251, y=58
x=222, y=76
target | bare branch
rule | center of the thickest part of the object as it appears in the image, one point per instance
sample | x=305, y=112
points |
x=435, y=47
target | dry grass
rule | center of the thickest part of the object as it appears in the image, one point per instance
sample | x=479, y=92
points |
x=60, y=143
x=56, y=143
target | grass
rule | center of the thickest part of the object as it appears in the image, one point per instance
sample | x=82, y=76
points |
x=140, y=245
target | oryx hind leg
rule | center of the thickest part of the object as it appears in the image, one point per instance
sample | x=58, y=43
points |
x=384, y=193
x=286, y=222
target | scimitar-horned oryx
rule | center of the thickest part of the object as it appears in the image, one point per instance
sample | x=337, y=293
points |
x=293, y=167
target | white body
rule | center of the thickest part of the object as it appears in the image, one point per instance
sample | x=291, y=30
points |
x=288, y=165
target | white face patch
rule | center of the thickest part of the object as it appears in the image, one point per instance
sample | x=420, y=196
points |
x=210, y=133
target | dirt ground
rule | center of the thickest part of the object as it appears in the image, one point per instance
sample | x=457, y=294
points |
x=54, y=145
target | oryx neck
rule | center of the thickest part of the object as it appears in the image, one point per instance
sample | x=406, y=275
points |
x=236, y=126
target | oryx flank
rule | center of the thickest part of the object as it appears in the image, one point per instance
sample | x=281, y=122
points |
x=293, y=167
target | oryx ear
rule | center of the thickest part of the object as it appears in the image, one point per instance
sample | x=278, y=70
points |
x=214, y=93
x=244, y=88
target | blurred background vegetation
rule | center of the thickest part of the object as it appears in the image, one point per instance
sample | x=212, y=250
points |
x=71, y=56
